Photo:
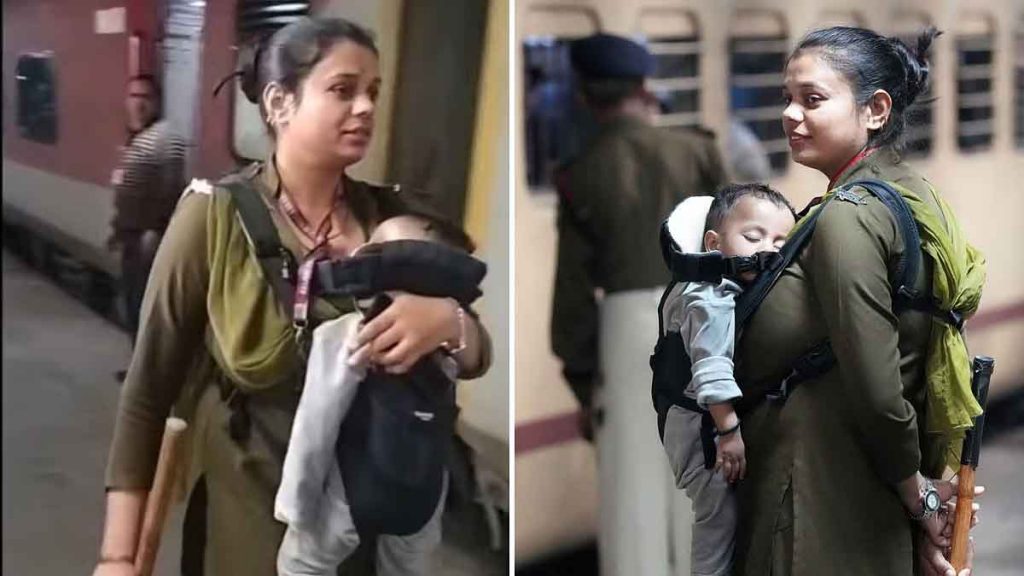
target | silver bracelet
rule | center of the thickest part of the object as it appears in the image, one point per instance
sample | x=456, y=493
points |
x=462, y=331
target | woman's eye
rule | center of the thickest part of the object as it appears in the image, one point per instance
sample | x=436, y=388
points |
x=342, y=90
x=814, y=99
x=787, y=99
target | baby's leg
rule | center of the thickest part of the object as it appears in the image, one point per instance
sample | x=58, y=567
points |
x=318, y=550
x=714, y=505
x=412, y=555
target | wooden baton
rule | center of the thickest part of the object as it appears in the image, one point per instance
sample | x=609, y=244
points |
x=159, y=498
x=981, y=375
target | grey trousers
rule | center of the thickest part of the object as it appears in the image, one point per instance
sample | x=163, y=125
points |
x=714, y=504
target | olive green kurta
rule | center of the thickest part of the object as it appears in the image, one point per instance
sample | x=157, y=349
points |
x=612, y=201
x=174, y=363
x=819, y=496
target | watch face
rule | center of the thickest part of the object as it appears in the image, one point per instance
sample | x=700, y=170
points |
x=931, y=501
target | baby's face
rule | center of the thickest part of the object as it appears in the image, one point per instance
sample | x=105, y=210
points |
x=753, y=225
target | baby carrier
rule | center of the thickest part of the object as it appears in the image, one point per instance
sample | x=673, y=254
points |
x=670, y=363
x=393, y=446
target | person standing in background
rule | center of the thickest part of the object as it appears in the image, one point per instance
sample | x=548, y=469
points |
x=612, y=200
x=147, y=181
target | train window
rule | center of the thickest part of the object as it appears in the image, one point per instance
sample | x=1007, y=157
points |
x=921, y=114
x=258, y=18
x=674, y=42
x=1018, y=73
x=758, y=48
x=974, y=48
x=556, y=123
x=37, y=98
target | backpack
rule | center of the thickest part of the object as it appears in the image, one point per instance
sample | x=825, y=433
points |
x=394, y=444
x=671, y=365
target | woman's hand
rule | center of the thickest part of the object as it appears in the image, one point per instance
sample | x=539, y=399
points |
x=933, y=561
x=411, y=327
x=937, y=531
x=939, y=528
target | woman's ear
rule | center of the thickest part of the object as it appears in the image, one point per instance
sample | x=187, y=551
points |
x=877, y=111
x=279, y=105
x=711, y=241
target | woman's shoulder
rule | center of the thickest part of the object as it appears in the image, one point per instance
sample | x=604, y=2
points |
x=852, y=217
x=891, y=167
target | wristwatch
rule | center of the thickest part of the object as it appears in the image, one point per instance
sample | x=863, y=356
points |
x=930, y=502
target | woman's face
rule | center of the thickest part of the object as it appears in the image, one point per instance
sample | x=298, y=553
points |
x=824, y=124
x=334, y=117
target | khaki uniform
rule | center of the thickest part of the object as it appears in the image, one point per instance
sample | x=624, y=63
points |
x=613, y=200
x=819, y=492
x=174, y=363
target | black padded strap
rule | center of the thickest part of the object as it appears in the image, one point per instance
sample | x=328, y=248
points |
x=910, y=263
x=274, y=258
x=709, y=266
x=415, y=266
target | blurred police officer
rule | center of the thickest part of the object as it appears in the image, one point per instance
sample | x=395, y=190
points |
x=612, y=200
x=147, y=182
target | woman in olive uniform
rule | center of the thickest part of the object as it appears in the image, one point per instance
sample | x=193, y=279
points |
x=209, y=307
x=836, y=472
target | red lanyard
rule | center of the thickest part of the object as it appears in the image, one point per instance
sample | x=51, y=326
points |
x=300, y=312
x=321, y=234
x=319, y=238
x=857, y=158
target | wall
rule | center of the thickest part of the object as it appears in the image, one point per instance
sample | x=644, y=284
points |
x=90, y=95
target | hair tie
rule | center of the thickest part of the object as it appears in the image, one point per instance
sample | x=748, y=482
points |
x=226, y=79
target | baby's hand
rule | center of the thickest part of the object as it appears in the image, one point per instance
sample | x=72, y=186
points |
x=731, y=459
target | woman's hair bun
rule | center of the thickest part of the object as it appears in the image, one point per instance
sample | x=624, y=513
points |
x=915, y=61
x=248, y=69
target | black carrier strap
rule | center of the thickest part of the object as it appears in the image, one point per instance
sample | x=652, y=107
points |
x=709, y=266
x=821, y=358
x=276, y=261
x=421, y=267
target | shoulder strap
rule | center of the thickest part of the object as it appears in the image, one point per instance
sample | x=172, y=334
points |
x=275, y=260
x=910, y=263
x=821, y=358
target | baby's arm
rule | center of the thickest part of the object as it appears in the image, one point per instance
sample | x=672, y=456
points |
x=708, y=331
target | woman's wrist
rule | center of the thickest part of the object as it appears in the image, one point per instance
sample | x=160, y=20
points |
x=910, y=490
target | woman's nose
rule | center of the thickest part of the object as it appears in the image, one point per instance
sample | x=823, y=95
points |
x=363, y=105
x=792, y=114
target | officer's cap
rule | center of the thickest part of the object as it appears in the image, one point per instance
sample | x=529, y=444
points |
x=608, y=56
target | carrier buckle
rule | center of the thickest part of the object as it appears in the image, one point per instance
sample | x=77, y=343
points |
x=781, y=394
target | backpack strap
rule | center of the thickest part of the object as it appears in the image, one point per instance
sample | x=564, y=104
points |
x=275, y=260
